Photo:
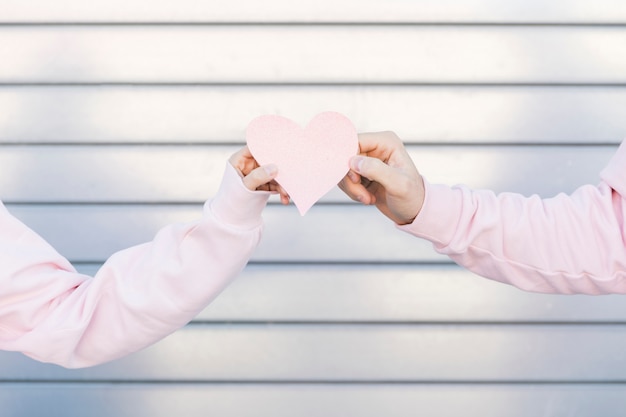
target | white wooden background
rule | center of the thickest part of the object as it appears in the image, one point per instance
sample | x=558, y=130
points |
x=116, y=117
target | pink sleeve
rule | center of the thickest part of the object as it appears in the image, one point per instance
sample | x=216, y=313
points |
x=54, y=314
x=566, y=244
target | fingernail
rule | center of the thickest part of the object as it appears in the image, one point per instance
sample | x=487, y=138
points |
x=270, y=169
x=356, y=162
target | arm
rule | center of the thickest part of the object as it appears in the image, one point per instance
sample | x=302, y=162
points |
x=566, y=244
x=53, y=314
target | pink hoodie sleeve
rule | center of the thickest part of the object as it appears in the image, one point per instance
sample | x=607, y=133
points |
x=54, y=314
x=567, y=244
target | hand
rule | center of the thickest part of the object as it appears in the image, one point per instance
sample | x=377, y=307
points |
x=255, y=177
x=383, y=174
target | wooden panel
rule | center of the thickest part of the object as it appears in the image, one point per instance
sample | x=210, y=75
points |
x=214, y=114
x=379, y=293
x=135, y=174
x=112, y=173
x=574, y=11
x=319, y=54
x=392, y=293
x=314, y=400
x=292, y=336
x=418, y=353
x=111, y=228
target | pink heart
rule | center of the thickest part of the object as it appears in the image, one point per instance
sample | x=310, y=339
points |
x=310, y=161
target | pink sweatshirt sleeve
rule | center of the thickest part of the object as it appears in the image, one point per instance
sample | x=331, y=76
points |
x=54, y=314
x=567, y=244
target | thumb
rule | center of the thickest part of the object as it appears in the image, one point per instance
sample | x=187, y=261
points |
x=260, y=176
x=373, y=169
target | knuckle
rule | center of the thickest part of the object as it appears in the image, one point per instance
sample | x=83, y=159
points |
x=391, y=136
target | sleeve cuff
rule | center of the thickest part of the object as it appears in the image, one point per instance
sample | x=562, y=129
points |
x=235, y=205
x=439, y=216
x=615, y=172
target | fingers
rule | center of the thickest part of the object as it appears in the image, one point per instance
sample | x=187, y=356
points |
x=255, y=177
x=241, y=158
x=374, y=170
x=284, y=197
x=379, y=146
x=378, y=143
x=260, y=177
x=355, y=189
x=353, y=176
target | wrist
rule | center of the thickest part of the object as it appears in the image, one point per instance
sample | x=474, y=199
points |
x=415, y=202
x=236, y=205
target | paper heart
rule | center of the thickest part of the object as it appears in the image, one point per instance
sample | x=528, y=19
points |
x=310, y=161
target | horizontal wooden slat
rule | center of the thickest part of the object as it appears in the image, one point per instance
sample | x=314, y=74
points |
x=418, y=353
x=318, y=54
x=573, y=11
x=392, y=293
x=171, y=174
x=304, y=400
x=214, y=114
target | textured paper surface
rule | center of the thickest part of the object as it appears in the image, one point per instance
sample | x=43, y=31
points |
x=310, y=160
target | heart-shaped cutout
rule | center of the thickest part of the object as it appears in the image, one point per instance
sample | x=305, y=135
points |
x=310, y=160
